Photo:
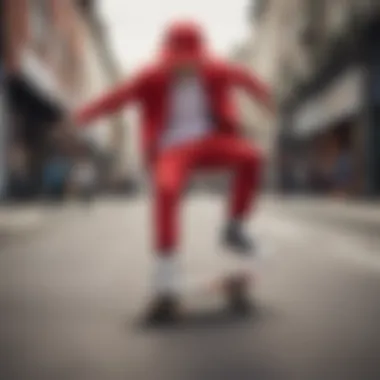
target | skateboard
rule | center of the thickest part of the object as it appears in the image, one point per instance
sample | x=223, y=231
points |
x=233, y=284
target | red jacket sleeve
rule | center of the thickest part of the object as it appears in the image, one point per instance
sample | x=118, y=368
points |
x=241, y=77
x=110, y=102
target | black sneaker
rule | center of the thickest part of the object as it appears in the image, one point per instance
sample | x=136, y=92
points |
x=237, y=240
x=163, y=309
x=237, y=295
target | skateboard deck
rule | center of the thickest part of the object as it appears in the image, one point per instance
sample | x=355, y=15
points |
x=234, y=282
x=228, y=282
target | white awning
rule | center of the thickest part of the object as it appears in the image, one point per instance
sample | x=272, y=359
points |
x=42, y=78
x=340, y=99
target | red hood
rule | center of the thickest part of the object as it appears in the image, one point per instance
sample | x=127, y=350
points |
x=184, y=42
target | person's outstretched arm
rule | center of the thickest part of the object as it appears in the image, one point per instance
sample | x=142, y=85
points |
x=242, y=77
x=111, y=102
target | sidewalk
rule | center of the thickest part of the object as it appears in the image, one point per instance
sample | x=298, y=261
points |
x=352, y=215
x=15, y=219
x=19, y=219
x=352, y=209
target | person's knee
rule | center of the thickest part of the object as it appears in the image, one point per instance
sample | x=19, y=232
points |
x=167, y=189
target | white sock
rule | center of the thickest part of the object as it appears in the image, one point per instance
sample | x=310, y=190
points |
x=166, y=275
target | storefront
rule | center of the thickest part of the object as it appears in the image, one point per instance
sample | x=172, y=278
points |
x=327, y=131
x=373, y=109
x=3, y=136
x=35, y=109
x=3, y=115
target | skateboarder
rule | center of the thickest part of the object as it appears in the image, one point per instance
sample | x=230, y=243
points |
x=189, y=122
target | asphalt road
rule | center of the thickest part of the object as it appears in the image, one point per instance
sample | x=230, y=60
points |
x=71, y=300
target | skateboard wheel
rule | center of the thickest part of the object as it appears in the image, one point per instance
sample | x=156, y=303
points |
x=237, y=294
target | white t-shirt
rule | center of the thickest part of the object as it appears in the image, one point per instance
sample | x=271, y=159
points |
x=188, y=113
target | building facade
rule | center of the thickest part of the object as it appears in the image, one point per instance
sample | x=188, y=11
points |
x=3, y=111
x=104, y=73
x=49, y=69
x=261, y=52
x=330, y=137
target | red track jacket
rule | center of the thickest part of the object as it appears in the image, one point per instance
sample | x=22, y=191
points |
x=150, y=88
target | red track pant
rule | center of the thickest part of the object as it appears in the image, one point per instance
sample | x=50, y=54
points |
x=174, y=166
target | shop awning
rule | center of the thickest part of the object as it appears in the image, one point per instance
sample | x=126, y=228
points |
x=34, y=88
x=24, y=97
x=341, y=99
x=41, y=78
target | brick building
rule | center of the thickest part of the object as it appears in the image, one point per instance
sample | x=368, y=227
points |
x=43, y=43
x=47, y=44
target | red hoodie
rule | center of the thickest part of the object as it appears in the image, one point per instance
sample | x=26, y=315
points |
x=183, y=42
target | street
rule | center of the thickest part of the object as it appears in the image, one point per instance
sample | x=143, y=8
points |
x=71, y=299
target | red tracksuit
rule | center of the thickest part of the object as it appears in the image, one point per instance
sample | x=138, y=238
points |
x=223, y=149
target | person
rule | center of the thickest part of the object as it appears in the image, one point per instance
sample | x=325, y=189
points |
x=342, y=174
x=19, y=186
x=55, y=173
x=83, y=177
x=189, y=122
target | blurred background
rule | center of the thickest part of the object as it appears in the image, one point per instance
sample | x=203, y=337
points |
x=69, y=279
x=320, y=58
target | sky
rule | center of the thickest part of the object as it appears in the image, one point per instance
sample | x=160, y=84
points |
x=135, y=26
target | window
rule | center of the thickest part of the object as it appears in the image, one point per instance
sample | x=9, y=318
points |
x=311, y=27
x=39, y=23
x=258, y=8
x=338, y=13
x=86, y=5
x=66, y=59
